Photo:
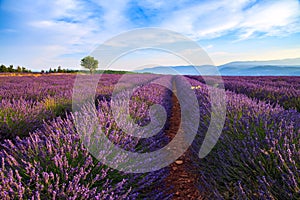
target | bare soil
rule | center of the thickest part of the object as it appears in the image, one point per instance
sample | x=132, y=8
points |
x=181, y=179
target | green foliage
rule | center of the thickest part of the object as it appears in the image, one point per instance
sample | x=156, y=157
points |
x=3, y=68
x=59, y=70
x=58, y=107
x=11, y=69
x=19, y=69
x=89, y=63
x=113, y=72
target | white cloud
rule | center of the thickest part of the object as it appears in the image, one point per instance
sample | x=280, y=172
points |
x=206, y=20
x=64, y=27
x=217, y=18
x=274, y=18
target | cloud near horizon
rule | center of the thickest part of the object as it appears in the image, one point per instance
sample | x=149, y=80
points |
x=46, y=34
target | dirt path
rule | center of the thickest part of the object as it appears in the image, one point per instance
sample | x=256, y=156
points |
x=182, y=181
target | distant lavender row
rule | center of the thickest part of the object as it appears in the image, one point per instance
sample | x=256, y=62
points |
x=257, y=155
x=58, y=86
x=287, y=95
x=281, y=81
x=36, y=88
x=284, y=91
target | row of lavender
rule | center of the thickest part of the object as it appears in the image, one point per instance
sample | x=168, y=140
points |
x=53, y=162
x=273, y=81
x=25, y=102
x=257, y=155
x=284, y=91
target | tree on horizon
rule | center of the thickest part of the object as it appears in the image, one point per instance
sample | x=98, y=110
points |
x=89, y=63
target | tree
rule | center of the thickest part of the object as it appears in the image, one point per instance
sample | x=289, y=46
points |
x=19, y=69
x=89, y=63
x=59, y=69
x=3, y=68
x=11, y=68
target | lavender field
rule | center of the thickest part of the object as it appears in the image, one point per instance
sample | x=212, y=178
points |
x=43, y=156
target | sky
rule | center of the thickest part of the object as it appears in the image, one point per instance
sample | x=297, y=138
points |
x=41, y=34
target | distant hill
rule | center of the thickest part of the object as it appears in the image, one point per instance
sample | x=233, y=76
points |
x=286, y=67
x=186, y=70
x=283, y=62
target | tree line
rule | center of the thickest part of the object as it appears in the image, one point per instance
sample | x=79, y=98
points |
x=87, y=62
x=11, y=68
x=58, y=70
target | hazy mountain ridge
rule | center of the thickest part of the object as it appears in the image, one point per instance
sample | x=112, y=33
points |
x=285, y=67
x=283, y=62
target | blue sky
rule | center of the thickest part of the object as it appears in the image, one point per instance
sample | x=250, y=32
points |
x=41, y=34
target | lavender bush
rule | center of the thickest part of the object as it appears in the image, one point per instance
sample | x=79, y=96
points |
x=55, y=165
x=257, y=156
x=284, y=91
